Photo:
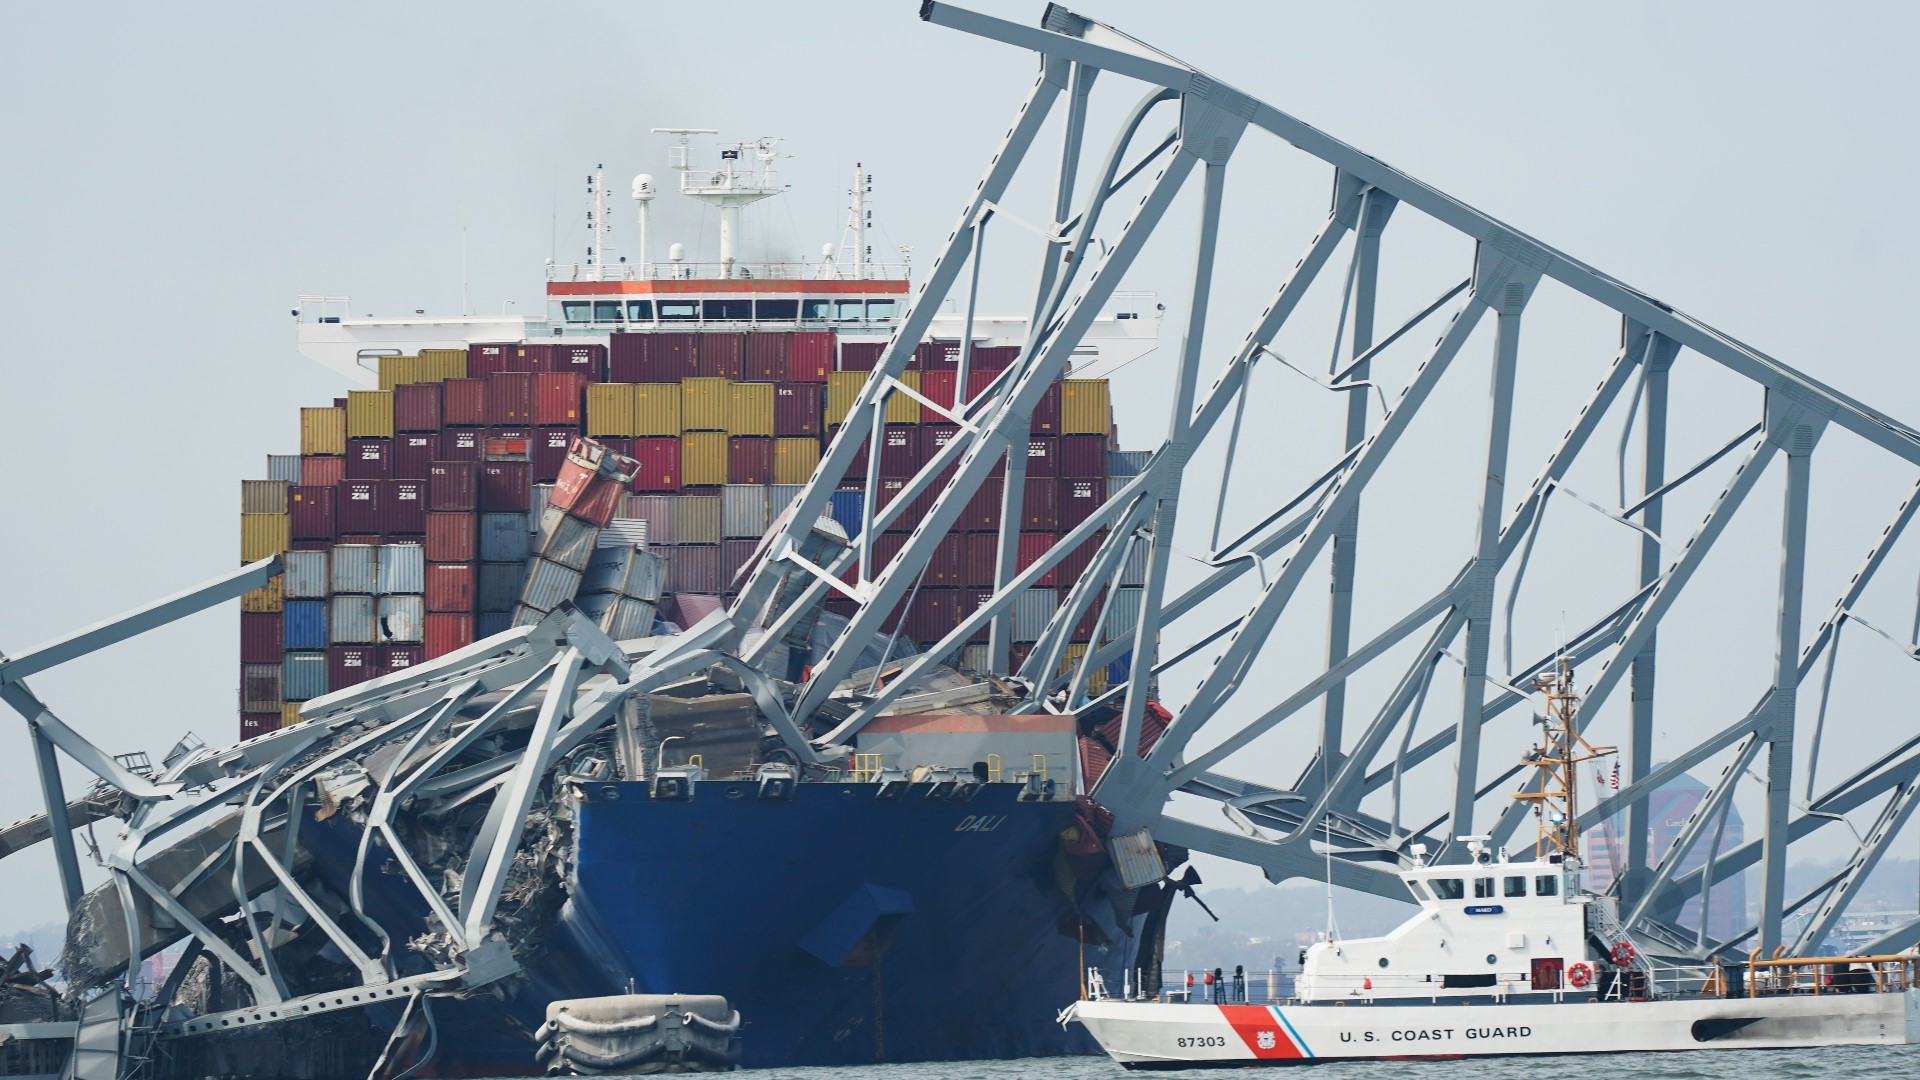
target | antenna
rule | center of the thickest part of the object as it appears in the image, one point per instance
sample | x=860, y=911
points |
x=735, y=184
x=859, y=217
x=1558, y=757
x=599, y=228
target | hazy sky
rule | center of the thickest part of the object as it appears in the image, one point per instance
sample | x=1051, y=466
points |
x=178, y=176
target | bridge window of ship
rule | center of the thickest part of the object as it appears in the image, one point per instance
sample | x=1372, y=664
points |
x=776, y=310
x=679, y=309
x=849, y=310
x=816, y=310
x=1449, y=888
x=728, y=310
x=879, y=311
x=1482, y=888
x=606, y=311
x=1546, y=885
x=577, y=311
x=1515, y=886
x=639, y=311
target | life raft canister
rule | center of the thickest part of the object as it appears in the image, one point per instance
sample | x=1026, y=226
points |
x=1623, y=954
x=1579, y=975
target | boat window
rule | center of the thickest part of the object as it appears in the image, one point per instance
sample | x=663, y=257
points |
x=1546, y=885
x=880, y=310
x=848, y=310
x=577, y=310
x=776, y=310
x=741, y=310
x=606, y=311
x=679, y=309
x=1449, y=888
x=639, y=311
x=1418, y=890
x=1516, y=886
x=1482, y=888
x=821, y=310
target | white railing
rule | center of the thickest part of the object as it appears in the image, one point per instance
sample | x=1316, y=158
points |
x=716, y=271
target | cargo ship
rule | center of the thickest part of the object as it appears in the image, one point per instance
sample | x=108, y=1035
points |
x=427, y=512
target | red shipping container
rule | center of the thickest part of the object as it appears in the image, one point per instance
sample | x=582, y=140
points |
x=885, y=547
x=509, y=399
x=485, y=358
x=450, y=586
x=416, y=407
x=1046, y=413
x=1032, y=546
x=462, y=443
x=936, y=356
x=909, y=518
x=310, y=513
x=357, y=506
x=399, y=658
x=947, y=569
x=979, y=380
x=982, y=560
x=994, y=358
x=1075, y=564
x=557, y=398
x=933, y=439
x=403, y=507
x=670, y=358
x=369, y=459
x=734, y=557
x=1043, y=456
x=549, y=451
x=1090, y=619
x=1040, y=509
x=463, y=402
x=810, y=356
x=260, y=637
x=859, y=355
x=1083, y=457
x=253, y=725
x=446, y=632
x=506, y=486
x=899, y=452
x=938, y=386
x=659, y=460
x=315, y=544
x=351, y=665
x=721, y=356
x=587, y=361
x=359, y=538
x=972, y=600
x=749, y=460
x=935, y=613
x=766, y=358
x=1078, y=499
x=983, y=510
x=322, y=471
x=414, y=453
x=453, y=485
x=530, y=357
x=451, y=537
x=507, y=444
x=799, y=409
x=627, y=357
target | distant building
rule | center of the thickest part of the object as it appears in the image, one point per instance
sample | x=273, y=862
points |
x=1604, y=849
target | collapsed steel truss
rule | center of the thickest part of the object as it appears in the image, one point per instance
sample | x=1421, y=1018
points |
x=1329, y=821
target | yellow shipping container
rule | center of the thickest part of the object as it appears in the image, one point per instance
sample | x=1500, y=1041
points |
x=290, y=713
x=439, y=364
x=901, y=408
x=703, y=458
x=397, y=370
x=262, y=536
x=610, y=409
x=323, y=431
x=703, y=407
x=843, y=388
x=1097, y=678
x=1085, y=407
x=263, y=496
x=794, y=460
x=656, y=408
x=369, y=414
x=267, y=598
x=750, y=410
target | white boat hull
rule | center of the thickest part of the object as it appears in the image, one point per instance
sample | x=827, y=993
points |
x=1154, y=1035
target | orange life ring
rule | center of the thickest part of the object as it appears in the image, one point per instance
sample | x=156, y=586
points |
x=1579, y=975
x=1623, y=954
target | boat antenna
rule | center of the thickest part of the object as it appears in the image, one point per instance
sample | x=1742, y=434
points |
x=1561, y=751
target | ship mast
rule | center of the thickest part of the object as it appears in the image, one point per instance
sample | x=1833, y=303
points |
x=598, y=227
x=1562, y=749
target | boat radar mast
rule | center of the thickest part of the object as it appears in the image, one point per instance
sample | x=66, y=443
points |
x=1562, y=749
x=728, y=188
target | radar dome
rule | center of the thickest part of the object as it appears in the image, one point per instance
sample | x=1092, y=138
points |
x=643, y=187
x=826, y=251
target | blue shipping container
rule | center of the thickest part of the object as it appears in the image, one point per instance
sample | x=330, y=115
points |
x=846, y=511
x=500, y=585
x=305, y=625
x=303, y=675
x=504, y=538
x=489, y=623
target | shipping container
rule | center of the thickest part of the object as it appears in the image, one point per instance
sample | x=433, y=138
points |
x=485, y=358
x=1046, y=413
x=557, y=398
x=934, y=615
x=694, y=569
x=504, y=486
x=565, y=539
x=781, y=496
x=310, y=513
x=550, y=451
x=488, y=623
x=862, y=356
x=1134, y=570
x=735, y=556
x=399, y=658
x=1032, y=610
x=509, y=399
x=260, y=637
x=704, y=403
x=1085, y=408
x=443, y=364
x=794, y=460
x=392, y=371
x=1083, y=457
x=351, y=664
x=255, y=724
x=721, y=356
x=847, y=508
x=416, y=407
x=589, y=362
x=260, y=689
x=980, y=560
x=356, y=506
x=537, y=503
x=749, y=460
x=939, y=387
x=303, y=675
x=799, y=409
x=403, y=507
x=306, y=575
x=766, y=357
x=369, y=414
x=263, y=536
x=369, y=459
x=703, y=458
x=1128, y=463
x=548, y=584
x=903, y=408
x=268, y=597
x=350, y=620
x=627, y=571
x=658, y=512
x=452, y=537
x=450, y=586
x=499, y=585
x=1034, y=545
x=1078, y=499
x=946, y=567
x=656, y=409
x=810, y=356
x=1043, y=456
x=843, y=389
x=304, y=625
x=414, y=453
x=323, y=432
x=933, y=439
x=899, y=452
x=610, y=409
x=750, y=408
x=696, y=519
x=446, y=632
x=284, y=467
x=983, y=509
x=530, y=356
x=401, y=619
x=463, y=444
x=263, y=496
x=743, y=511
x=463, y=403
x=354, y=568
x=453, y=486
x=505, y=538
x=660, y=464
x=903, y=519
x=400, y=569
x=1039, y=509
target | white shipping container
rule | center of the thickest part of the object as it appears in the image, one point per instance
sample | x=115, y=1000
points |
x=401, y=620
x=350, y=620
x=548, y=585
x=402, y=569
x=565, y=539
x=1032, y=610
x=355, y=568
x=306, y=575
x=743, y=511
